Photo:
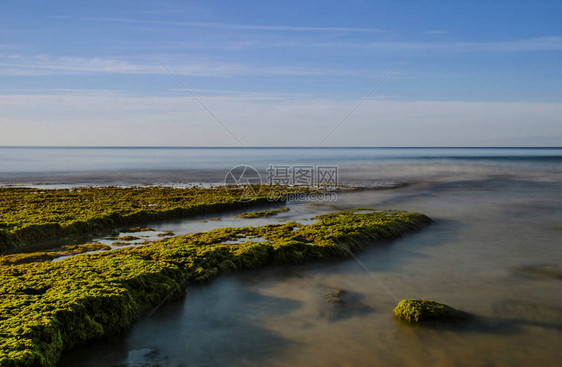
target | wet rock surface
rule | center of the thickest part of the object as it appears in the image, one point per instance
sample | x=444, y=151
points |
x=417, y=311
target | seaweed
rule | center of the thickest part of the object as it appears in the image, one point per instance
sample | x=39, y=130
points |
x=26, y=258
x=29, y=215
x=48, y=307
x=417, y=311
x=262, y=214
x=138, y=229
x=128, y=238
x=211, y=219
x=166, y=234
x=334, y=296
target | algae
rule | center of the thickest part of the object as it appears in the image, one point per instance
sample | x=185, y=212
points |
x=125, y=238
x=26, y=258
x=166, y=234
x=30, y=215
x=263, y=213
x=138, y=229
x=417, y=311
x=211, y=219
x=334, y=296
x=48, y=307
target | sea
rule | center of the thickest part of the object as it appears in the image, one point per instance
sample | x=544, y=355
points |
x=494, y=250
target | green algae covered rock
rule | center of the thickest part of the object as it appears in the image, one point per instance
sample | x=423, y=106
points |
x=416, y=311
x=47, y=307
x=25, y=258
x=29, y=215
x=263, y=214
x=335, y=295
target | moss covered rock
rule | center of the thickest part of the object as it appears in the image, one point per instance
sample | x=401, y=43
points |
x=263, y=214
x=31, y=257
x=47, y=307
x=29, y=215
x=335, y=295
x=416, y=311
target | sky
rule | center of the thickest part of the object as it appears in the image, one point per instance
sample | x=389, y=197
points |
x=281, y=73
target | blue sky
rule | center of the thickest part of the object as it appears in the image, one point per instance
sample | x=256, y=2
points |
x=473, y=73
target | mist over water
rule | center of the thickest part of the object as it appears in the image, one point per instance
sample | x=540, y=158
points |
x=134, y=166
x=497, y=226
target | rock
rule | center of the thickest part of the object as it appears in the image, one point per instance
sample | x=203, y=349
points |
x=416, y=311
x=227, y=266
x=340, y=304
x=334, y=296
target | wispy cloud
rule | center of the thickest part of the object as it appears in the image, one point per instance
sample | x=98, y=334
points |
x=229, y=26
x=192, y=65
x=421, y=48
x=390, y=48
x=64, y=92
x=18, y=65
x=46, y=65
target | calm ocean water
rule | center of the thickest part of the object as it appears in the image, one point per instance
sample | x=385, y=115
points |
x=487, y=229
x=209, y=165
x=496, y=213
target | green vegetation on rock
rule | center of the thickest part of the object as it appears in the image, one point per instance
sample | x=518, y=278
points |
x=166, y=234
x=48, y=307
x=137, y=229
x=211, y=219
x=125, y=238
x=30, y=215
x=30, y=257
x=262, y=214
x=334, y=296
x=416, y=311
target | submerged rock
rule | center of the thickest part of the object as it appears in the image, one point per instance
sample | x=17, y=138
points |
x=334, y=296
x=543, y=270
x=211, y=219
x=166, y=234
x=340, y=304
x=416, y=311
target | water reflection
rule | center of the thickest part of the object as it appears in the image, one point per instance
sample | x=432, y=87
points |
x=215, y=326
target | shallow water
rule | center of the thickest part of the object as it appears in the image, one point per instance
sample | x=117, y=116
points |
x=485, y=229
x=299, y=211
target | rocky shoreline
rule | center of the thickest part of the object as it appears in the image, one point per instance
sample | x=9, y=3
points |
x=49, y=307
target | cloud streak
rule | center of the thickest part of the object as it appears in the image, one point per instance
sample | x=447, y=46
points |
x=229, y=26
x=426, y=48
x=18, y=65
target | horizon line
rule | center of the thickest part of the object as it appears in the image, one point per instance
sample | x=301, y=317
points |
x=265, y=147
